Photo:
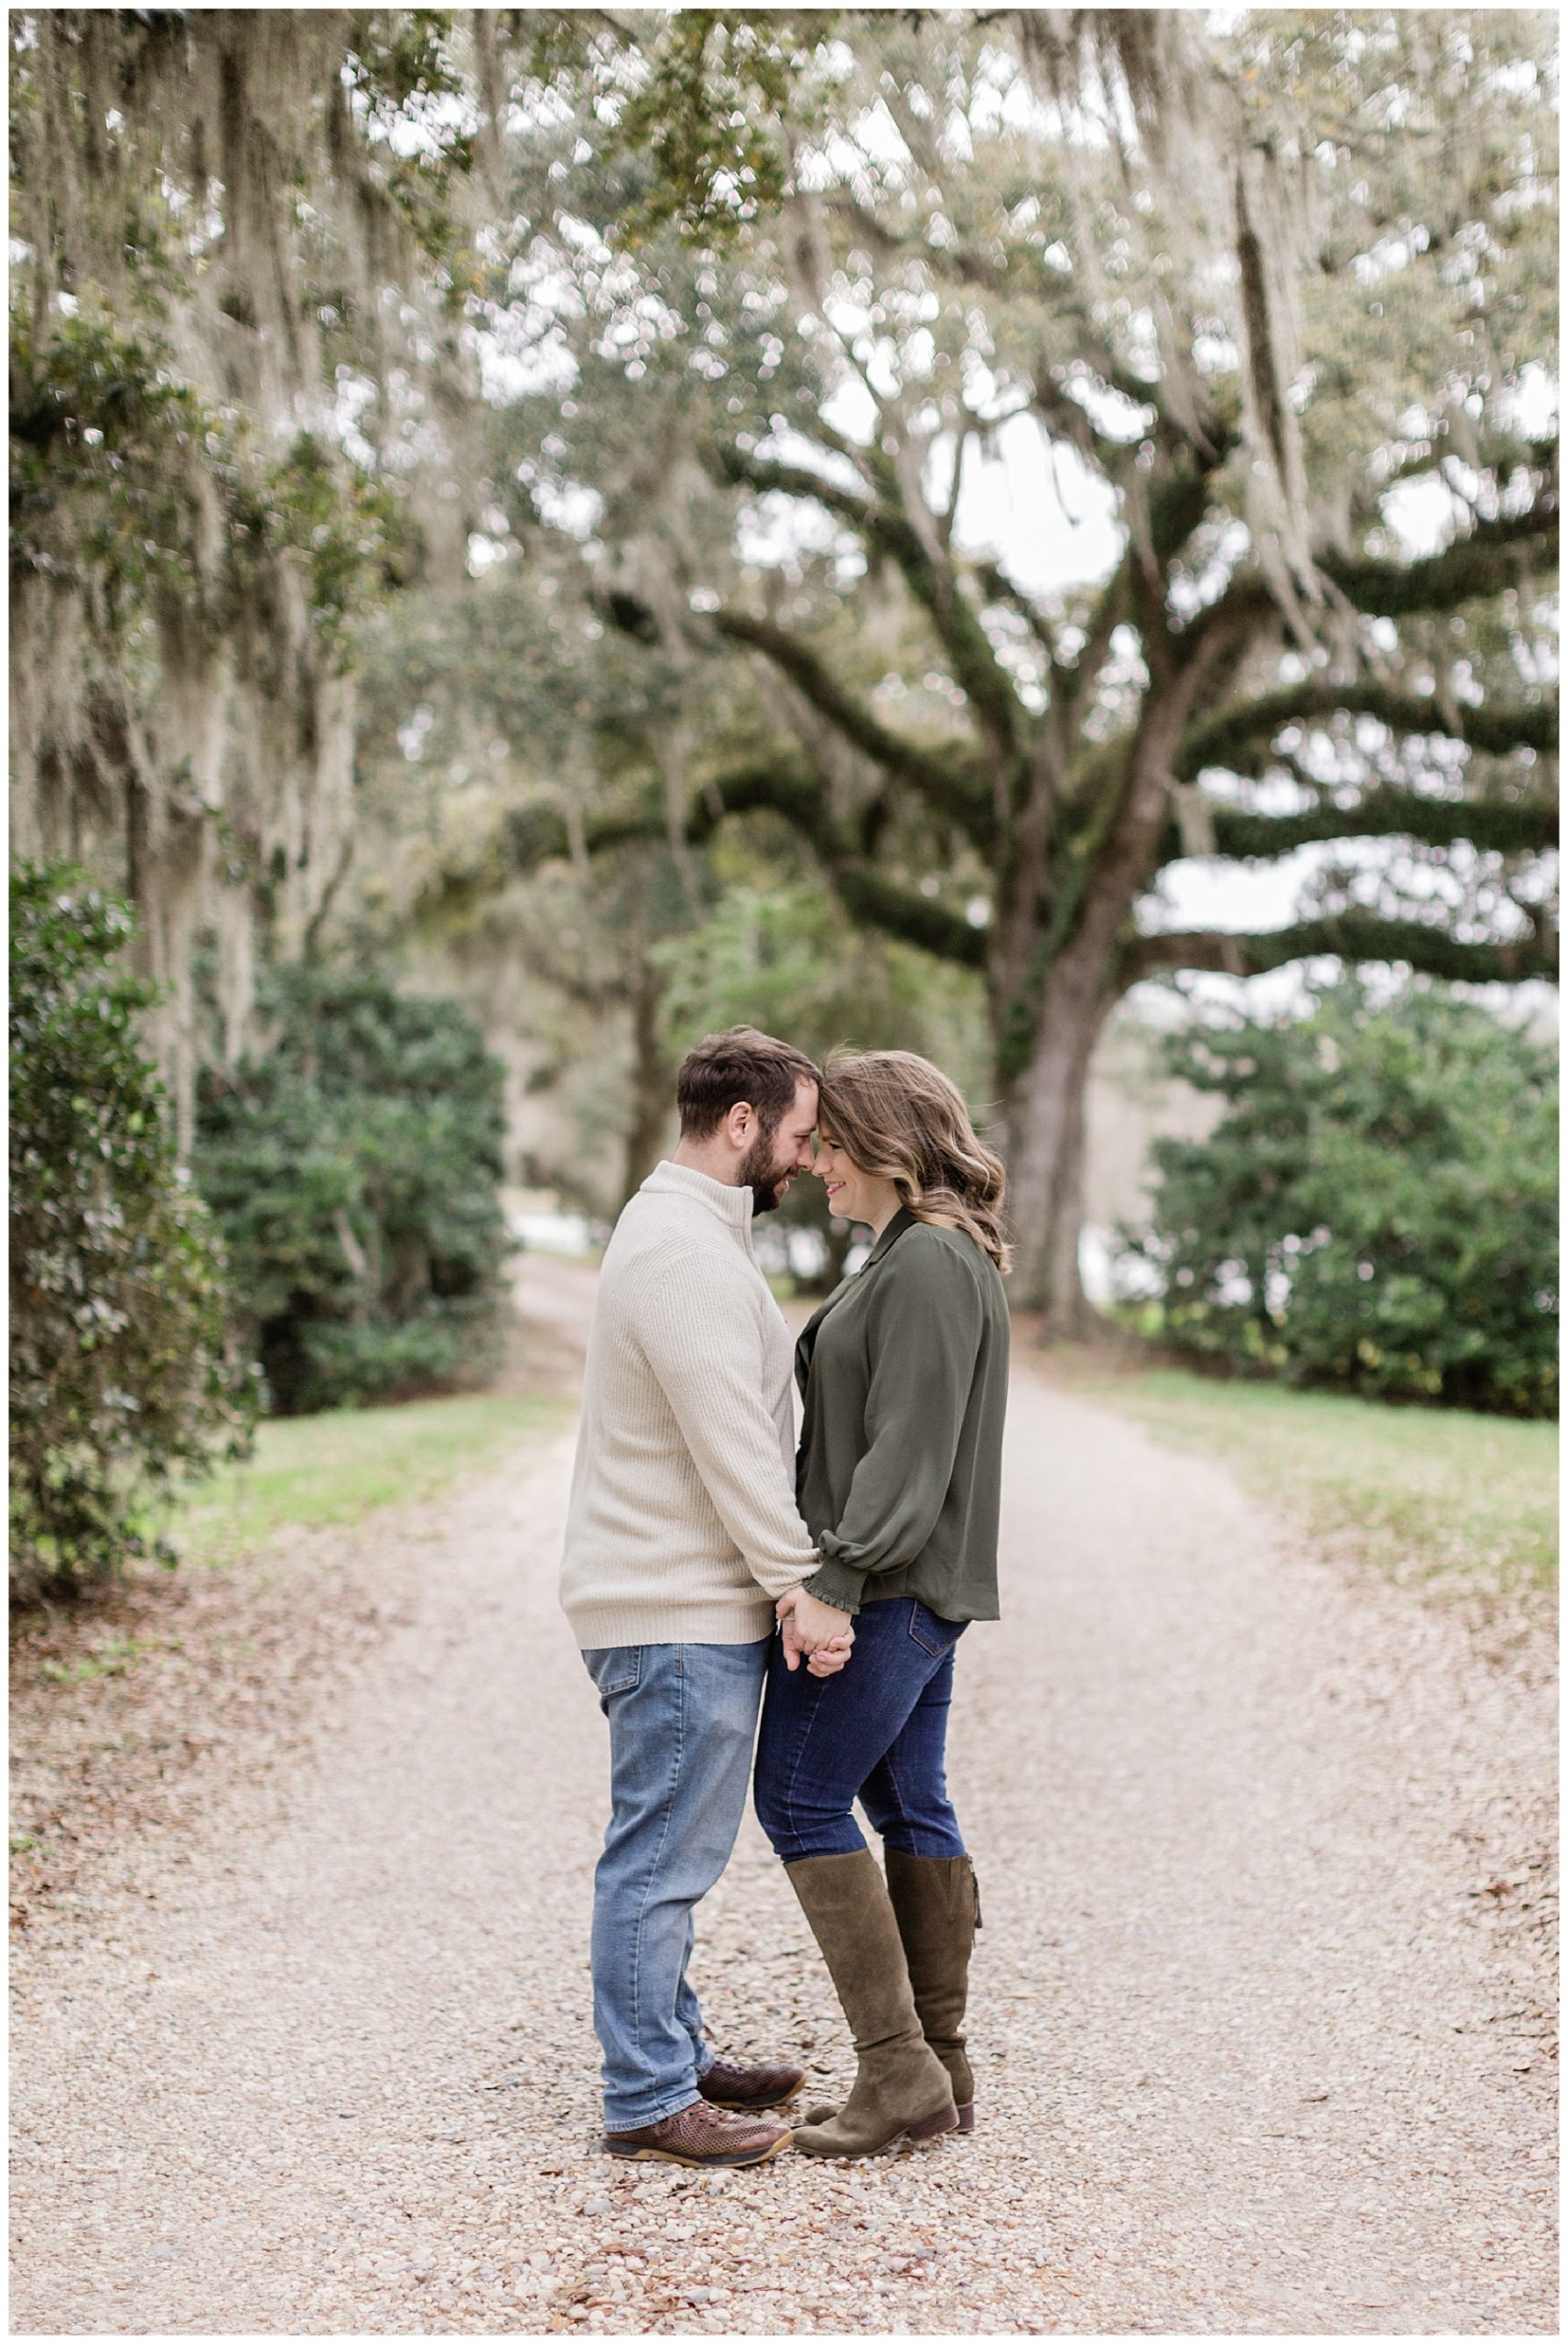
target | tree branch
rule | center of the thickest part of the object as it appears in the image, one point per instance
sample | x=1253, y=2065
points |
x=976, y=668
x=866, y=896
x=742, y=469
x=1068, y=420
x=1524, y=826
x=780, y=785
x=1346, y=936
x=943, y=781
x=540, y=833
x=1485, y=561
x=1222, y=740
x=998, y=587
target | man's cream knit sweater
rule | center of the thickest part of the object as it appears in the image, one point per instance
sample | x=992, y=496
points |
x=683, y=1527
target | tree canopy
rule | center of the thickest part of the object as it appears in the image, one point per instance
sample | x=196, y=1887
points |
x=1274, y=295
x=711, y=324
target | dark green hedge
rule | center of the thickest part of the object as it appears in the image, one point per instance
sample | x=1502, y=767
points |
x=354, y=1167
x=1377, y=1208
x=122, y=1375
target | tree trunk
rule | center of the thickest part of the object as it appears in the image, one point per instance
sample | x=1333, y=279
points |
x=1046, y=1154
x=652, y=1082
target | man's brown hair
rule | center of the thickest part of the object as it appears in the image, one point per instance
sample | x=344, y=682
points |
x=740, y=1067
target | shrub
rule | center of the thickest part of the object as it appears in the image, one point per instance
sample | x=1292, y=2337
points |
x=1376, y=1206
x=354, y=1167
x=120, y=1371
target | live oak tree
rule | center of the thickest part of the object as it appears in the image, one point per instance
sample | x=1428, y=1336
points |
x=1279, y=295
x=780, y=282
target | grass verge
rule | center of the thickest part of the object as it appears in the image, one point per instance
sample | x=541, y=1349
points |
x=310, y=1471
x=1464, y=1503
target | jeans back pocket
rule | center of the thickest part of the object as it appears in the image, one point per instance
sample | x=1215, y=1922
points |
x=931, y=1632
x=615, y=1668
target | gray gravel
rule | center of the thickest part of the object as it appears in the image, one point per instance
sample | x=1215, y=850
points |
x=1258, y=2016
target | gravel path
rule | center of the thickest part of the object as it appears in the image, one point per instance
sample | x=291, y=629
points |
x=1256, y=2014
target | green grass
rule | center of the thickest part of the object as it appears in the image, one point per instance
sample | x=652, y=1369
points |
x=113, y=1657
x=1466, y=1502
x=310, y=1471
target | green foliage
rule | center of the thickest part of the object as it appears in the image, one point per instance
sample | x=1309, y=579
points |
x=117, y=468
x=1376, y=1206
x=121, y=1375
x=106, y=442
x=783, y=957
x=357, y=542
x=354, y=1167
x=707, y=117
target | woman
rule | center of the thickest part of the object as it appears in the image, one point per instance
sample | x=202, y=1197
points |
x=903, y=1372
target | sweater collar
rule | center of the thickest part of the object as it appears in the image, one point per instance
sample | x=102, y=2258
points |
x=732, y=1206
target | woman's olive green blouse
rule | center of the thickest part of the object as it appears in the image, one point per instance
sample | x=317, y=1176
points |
x=903, y=1372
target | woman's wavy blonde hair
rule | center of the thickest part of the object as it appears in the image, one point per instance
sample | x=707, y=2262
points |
x=898, y=1117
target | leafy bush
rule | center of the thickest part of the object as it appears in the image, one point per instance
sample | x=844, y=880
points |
x=121, y=1373
x=354, y=1167
x=1376, y=1206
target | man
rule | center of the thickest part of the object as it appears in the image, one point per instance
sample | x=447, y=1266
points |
x=682, y=1537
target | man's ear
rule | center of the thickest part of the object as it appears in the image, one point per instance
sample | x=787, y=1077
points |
x=741, y=1124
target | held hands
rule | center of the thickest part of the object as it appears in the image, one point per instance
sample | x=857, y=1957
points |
x=815, y=1630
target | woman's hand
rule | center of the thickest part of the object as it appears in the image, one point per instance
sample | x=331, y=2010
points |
x=827, y=1659
x=810, y=1627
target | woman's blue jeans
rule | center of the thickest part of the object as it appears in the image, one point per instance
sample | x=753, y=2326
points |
x=682, y=1720
x=876, y=1731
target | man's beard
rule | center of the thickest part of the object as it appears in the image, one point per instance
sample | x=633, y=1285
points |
x=763, y=1175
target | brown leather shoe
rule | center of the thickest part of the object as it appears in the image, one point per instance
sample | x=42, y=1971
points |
x=702, y=2135
x=727, y=2086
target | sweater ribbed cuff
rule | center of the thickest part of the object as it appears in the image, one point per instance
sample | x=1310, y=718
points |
x=836, y=1584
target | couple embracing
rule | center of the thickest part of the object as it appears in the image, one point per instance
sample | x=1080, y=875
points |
x=706, y=1571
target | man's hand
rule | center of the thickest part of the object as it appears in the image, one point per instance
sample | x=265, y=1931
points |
x=810, y=1627
x=826, y=1661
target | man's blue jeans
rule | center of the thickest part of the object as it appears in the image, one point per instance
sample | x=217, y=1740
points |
x=876, y=1731
x=682, y=1721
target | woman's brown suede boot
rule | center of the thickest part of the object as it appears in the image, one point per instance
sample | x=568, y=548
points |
x=936, y=1902
x=937, y=1905
x=900, y=2086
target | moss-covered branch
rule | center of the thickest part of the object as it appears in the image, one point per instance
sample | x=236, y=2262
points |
x=541, y=834
x=1237, y=734
x=947, y=781
x=1351, y=936
x=976, y=668
x=1520, y=826
x=1486, y=561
